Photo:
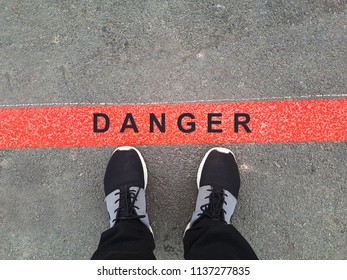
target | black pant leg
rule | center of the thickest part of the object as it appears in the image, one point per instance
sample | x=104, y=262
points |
x=127, y=240
x=213, y=240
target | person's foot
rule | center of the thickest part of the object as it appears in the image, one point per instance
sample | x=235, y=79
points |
x=218, y=182
x=125, y=182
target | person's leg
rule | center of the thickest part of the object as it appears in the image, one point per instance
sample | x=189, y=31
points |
x=130, y=235
x=130, y=240
x=210, y=235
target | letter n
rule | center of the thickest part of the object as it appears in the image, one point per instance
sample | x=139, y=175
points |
x=153, y=119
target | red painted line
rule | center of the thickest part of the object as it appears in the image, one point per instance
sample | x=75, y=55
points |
x=272, y=121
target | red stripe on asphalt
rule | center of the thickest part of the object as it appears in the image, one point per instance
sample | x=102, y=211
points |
x=270, y=121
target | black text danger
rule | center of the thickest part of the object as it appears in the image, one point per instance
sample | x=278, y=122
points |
x=186, y=123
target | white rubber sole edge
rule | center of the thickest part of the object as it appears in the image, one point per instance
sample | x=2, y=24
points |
x=144, y=166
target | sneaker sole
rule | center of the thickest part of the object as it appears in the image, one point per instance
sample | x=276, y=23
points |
x=144, y=166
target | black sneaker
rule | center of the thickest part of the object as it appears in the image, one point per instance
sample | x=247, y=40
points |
x=218, y=183
x=125, y=183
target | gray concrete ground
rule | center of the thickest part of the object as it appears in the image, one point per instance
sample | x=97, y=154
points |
x=293, y=201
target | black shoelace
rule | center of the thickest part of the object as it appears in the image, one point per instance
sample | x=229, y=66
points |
x=126, y=210
x=214, y=209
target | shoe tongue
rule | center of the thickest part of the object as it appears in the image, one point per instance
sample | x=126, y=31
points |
x=131, y=183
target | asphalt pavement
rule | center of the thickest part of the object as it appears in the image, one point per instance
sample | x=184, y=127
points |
x=293, y=199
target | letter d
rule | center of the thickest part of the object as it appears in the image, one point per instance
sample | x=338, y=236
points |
x=95, y=124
